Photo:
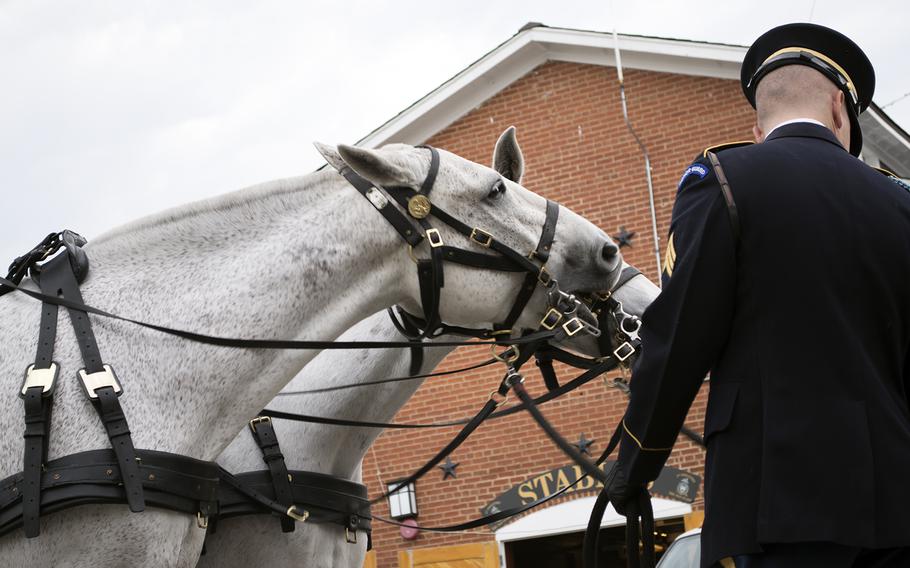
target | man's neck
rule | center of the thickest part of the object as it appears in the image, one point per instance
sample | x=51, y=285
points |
x=794, y=120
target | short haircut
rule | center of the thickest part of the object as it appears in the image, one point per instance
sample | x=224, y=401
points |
x=792, y=88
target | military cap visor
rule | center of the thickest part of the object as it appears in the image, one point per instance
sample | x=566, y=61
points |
x=830, y=52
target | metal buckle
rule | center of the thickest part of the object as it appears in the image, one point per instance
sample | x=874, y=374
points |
x=350, y=536
x=202, y=521
x=376, y=197
x=508, y=356
x=259, y=420
x=44, y=378
x=544, y=276
x=434, y=238
x=573, y=326
x=91, y=382
x=551, y=319
x=481, y=237
x=623, y=352
x=292, y=512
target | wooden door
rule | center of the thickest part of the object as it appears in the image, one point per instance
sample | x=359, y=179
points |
x=480, y=555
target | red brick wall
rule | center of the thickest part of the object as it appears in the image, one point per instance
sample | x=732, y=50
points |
x=578, y=152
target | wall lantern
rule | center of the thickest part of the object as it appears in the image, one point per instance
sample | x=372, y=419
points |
x=402, y=503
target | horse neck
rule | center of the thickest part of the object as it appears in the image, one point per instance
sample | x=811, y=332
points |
x=303, y=258
x=335, y=450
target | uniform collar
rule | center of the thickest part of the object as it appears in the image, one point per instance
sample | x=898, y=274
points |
x=805, y=130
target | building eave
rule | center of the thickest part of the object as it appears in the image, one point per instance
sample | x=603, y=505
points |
x=533, y=47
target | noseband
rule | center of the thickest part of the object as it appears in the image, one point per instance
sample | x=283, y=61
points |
x=564, y=310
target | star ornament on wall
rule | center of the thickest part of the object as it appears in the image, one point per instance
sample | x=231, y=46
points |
x=583, y=444
x=624, y=237
x=448, y=469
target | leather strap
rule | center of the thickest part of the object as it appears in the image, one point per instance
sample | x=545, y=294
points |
x=325, y=498
x=727, y=193
x=37, y=425
x=56, y=277
x=264, y=433
x=38, y=406
x=171, y=481
x=269, y=343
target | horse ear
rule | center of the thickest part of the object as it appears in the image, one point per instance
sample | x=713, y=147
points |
x=507, y=157
x=331, y=155
x=374, y=166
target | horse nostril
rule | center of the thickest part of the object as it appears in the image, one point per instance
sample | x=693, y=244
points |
x=609, y=251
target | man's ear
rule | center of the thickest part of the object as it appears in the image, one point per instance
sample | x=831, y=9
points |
x=839, y=109
x=757, y=133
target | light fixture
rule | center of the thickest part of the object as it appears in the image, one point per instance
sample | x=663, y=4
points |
x=402, y=503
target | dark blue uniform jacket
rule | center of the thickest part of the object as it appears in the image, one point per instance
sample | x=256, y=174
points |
x=804, y=326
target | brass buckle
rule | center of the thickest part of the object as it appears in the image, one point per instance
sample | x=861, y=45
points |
x=202, y=521
x=508, y=356
x=481, y=237
x=544, y=276
x=259, y=420
x=499, y=401
x=44, y=378
x=573, y=326
x=434, y=238
x=292, y=512
x=623, y=352
x=350, y=536
x=91, y=382
x=551, y=319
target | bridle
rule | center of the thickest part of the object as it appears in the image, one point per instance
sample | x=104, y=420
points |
x=115, y=476
x=564, y=310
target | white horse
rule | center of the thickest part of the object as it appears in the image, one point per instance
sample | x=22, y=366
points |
x=257, y=540
x=302, y=258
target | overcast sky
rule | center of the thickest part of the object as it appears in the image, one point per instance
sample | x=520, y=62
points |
x=112, y=110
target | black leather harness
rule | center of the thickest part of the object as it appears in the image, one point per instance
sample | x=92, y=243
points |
x=138, y=478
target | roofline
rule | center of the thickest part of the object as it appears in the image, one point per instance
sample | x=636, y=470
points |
x=534, y=46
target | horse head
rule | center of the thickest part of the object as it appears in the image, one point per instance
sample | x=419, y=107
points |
x=490, y=204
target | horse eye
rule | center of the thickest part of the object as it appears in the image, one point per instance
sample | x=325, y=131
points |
x=497, y=191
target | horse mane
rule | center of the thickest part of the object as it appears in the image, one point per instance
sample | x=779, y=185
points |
x=266, y=198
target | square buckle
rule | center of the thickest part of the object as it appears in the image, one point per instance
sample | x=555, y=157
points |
x=91, y=382
x=481, y=237
x=350, y=536
x=544, y=276
x=623, y=352
x=259, y=420
x=298, y=515
x=573, y=326
x=44, y=378
x=551, y=319
x=434, y=238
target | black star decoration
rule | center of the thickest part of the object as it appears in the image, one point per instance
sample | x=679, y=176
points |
x=448, y=468
x=583, y=444
x=624, y=237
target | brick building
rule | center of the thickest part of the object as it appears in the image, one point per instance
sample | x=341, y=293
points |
x=560, y=89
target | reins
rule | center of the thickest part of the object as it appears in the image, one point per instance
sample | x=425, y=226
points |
x=58, y=280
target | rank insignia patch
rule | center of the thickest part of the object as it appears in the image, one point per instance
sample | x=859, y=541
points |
x=670, y=258
x=693, y=170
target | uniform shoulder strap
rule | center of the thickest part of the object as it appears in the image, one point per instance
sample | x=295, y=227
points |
x=727, y=193
x=726, y=146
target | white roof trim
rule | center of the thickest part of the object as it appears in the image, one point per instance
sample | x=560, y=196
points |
x=884, y=124
x=533, y=47
x=572, y=516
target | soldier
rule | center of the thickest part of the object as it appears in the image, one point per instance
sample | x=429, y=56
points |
x=788, y=278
